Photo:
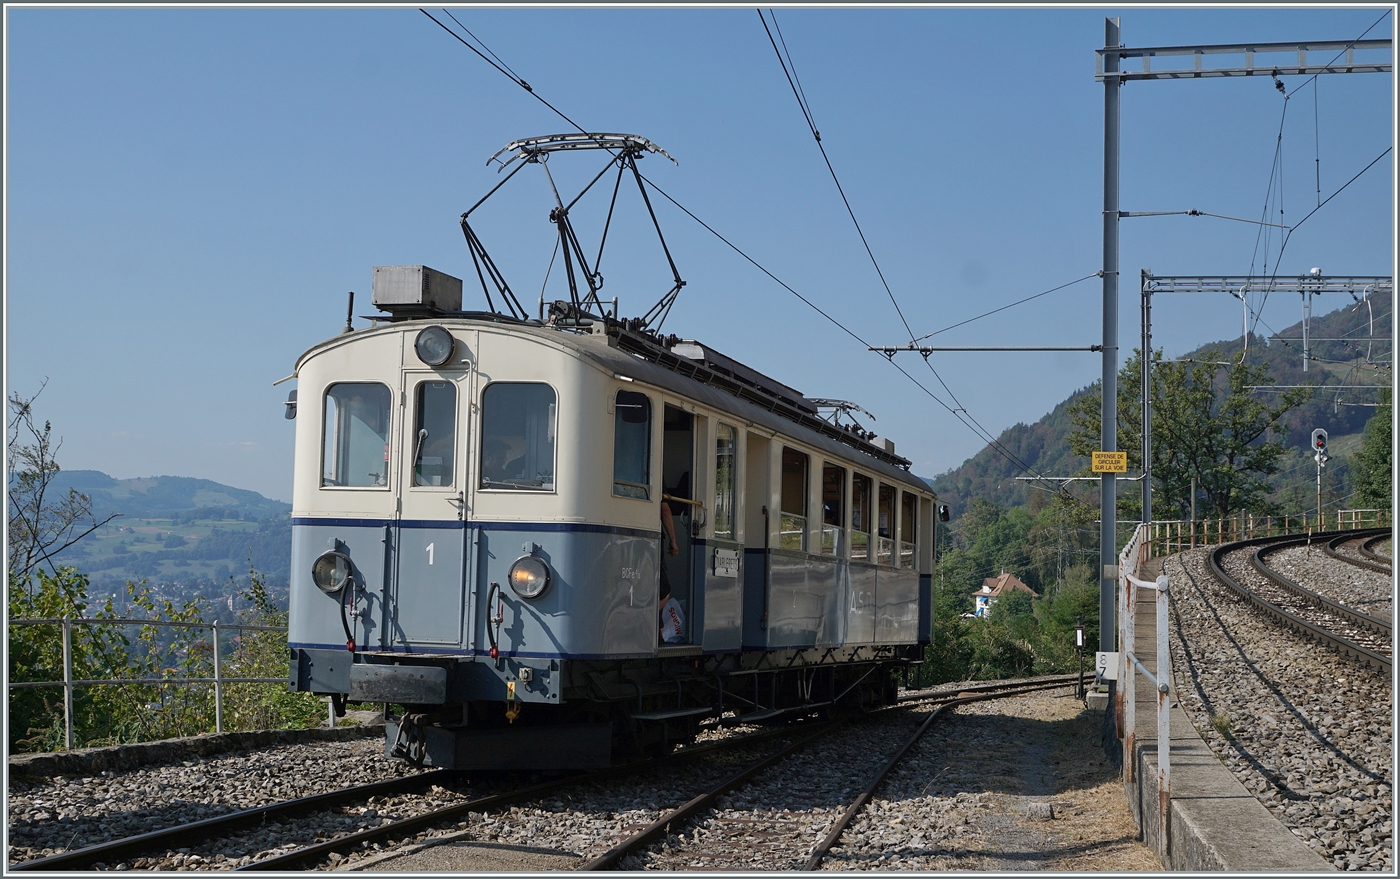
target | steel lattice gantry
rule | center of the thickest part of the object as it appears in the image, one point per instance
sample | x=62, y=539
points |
x=1239, y=286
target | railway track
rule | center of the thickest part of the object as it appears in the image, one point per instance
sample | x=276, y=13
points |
x=780, y=828
x=1365, y=557
x=1349, y=632
x=286, y=813
x=161, y=843
x=1367, y=549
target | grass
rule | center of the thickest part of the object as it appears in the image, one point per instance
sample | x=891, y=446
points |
x=1223, y=724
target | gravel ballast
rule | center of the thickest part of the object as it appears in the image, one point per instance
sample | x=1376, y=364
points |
x=1305, y=730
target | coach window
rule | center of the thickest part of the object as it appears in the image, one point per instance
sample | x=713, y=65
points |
x=355, y=447
x=884, y=552
x=792, y=524
x=517, y=436
x=434, y=433
x=724, y=482
x=860, y=517
x=833, y=509
x=632, y=445
x=908, y=522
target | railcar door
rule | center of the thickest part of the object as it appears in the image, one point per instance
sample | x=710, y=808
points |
x=430, y=530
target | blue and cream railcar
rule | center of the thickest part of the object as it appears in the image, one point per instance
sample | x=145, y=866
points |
x=477, y=539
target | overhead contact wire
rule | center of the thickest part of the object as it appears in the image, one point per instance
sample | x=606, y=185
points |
x=795, y=83
x=978, y=430
x=792, y=77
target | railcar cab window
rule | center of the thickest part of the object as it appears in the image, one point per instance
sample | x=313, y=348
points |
x=434, y=433
x=724, y=482
x=908, y=520
x=861, y=488
x=632, y=445
x=833, y=509
x=885, y=542
x=517, y=436
x=355, y=444
x=792, y=524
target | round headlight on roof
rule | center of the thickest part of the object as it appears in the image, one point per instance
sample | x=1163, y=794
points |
x=529, y=577
x=331, y=571
x=434, y=346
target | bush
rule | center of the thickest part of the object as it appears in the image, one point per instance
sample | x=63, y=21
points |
x=146, y=709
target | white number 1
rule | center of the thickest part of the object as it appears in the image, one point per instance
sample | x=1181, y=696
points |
x=430, y=553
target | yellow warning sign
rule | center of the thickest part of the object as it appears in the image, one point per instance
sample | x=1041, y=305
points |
x=1110, y=462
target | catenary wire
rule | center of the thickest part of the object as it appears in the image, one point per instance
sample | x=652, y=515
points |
x=1097, y=274
x=978, y=430
x=794, y=82
x=792, y=77
x=1278, y=150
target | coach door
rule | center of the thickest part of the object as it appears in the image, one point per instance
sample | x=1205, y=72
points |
x=430, y=538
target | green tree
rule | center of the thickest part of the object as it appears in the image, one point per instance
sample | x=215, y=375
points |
x=1207, y=424
x=1372, y=465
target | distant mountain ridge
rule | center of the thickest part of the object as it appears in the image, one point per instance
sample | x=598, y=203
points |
x=1044, y=446
x=160, y=497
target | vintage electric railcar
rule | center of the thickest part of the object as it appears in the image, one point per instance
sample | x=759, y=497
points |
x=477, y=539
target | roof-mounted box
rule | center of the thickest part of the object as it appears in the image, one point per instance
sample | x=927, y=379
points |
x=415, y=290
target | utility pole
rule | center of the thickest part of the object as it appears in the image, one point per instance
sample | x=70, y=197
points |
x=1108, y=431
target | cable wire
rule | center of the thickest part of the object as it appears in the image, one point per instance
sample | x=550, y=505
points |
x=792, y=81
x=978, y=429
x=1098, y=274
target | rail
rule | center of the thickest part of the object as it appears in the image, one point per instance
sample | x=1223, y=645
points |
x=69, y=683
x=1129, y=563
x=1165, y=537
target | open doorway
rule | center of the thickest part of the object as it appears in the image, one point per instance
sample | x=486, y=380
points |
x=677, y=484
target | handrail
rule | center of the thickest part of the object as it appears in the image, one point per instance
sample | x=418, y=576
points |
x=69, y=683
x=1137, y=551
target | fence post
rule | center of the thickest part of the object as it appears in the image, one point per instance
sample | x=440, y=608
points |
x=218, y=685
x=1164, y=733
x=67, y=682
x=1128, y=687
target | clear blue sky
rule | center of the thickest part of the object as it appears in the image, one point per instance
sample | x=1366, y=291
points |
x=191, y=192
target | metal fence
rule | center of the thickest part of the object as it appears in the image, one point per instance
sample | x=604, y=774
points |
x=1173, y=536
x=69, y=684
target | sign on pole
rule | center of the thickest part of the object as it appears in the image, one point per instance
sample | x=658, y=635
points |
x=1110, y=462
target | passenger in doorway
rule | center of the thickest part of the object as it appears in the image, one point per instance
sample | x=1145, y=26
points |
x=672, y=620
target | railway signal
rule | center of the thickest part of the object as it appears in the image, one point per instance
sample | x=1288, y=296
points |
x=1319, y=444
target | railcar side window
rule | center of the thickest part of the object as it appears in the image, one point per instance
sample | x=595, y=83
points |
x=860, y=517
x=434, y=433
x=792, y=524
x=885, y=542
x=724, y=482
x=908, y=520
x=355, y=445
x=833, y=508
x=517, y=436
x=632, y=445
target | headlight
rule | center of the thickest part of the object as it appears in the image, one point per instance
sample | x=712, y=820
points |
x=529, y=577
x=434, y=346
x=331, y=571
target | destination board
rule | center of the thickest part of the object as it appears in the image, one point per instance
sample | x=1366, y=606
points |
x=1110, y=462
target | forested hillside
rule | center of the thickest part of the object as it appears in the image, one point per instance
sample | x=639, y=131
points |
x=1343, y=412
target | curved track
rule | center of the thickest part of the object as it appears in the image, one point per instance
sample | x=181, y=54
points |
x=1321, y=619
x=1363, y=540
